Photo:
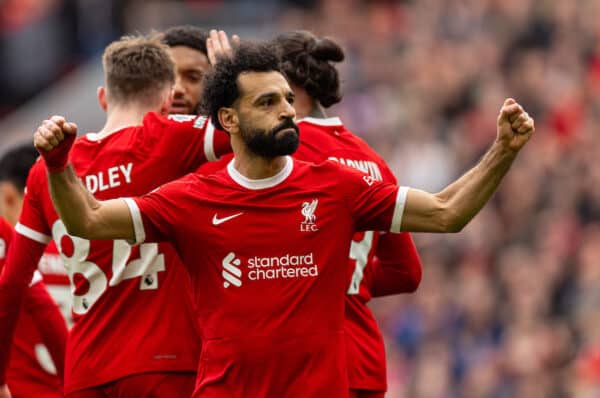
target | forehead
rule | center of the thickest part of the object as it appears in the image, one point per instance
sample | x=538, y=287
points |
x=254, y=84
x=188, y=58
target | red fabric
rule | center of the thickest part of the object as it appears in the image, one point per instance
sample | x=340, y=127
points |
x=265, y=314
x=14, y=281
x=27, y=374
x=329, y=139
x=120, y=293
x=397, y=267
x=155, y=385
x=50, y=322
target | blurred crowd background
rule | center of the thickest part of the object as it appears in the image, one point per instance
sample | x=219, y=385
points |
x=510, y=307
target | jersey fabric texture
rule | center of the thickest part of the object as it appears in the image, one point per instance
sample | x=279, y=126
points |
x=151, y=385
x=132, y=307
x=325, y=139
x=268, y=260
x=31, y=372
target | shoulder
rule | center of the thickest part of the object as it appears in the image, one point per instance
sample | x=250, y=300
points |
x=154, y=120
x=37, y=173
x=315, y=123
x=189, y=184
x=323, y=168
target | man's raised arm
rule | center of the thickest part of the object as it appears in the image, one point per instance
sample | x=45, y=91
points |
x=452, y=208
x=82, y=214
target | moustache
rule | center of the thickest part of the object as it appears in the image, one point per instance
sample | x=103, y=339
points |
x=286, y=124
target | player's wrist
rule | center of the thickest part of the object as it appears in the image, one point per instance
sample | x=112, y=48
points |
x=57, y=159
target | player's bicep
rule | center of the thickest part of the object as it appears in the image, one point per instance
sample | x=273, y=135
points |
x=112, y=220
x=423, y=212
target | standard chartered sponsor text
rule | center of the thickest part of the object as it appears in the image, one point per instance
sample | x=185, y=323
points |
x=282, y=267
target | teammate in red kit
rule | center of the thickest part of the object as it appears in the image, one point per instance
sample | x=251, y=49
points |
x=34, y=361
x=307, y=63
x=134, y=332
x=264, y=239
x=187, y=46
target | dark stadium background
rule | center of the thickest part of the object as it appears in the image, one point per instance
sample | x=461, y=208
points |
x=510, y=307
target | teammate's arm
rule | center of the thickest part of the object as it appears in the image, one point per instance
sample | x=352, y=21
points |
x=21, y=262
x=396, y=266
x=82, y=214
x=452, y=208
x=50, y=322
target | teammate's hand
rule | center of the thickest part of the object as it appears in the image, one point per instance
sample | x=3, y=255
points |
x=53, y=140
x=218, y=46
x=515, y=126
x=4, y=392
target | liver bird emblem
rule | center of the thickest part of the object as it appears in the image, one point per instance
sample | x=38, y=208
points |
x=308, y=211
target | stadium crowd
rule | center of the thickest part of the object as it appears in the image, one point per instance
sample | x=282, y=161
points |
x=510, y=306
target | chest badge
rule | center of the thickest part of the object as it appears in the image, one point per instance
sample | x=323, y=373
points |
x=308, y=211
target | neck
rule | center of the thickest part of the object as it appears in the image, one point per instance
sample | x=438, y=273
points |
x=253, y=166
x=120, y=117
x=317, y=111
x=305, y=105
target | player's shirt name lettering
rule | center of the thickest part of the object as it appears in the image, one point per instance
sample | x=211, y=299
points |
x=366, y=166
x=111, y=178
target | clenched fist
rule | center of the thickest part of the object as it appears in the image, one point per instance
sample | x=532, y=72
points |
x=53, y=140
x=515, y=126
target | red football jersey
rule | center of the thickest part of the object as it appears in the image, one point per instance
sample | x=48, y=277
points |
x=328, y=139
x=31, y=372
x=56, y=279
x=132, y=307
x=268, y=260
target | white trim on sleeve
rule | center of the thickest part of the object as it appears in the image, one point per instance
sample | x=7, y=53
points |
x=399, y=209
x=37, y=277
x=32, y=234
x=209, y=143
x=138, y=224
x=330, y=121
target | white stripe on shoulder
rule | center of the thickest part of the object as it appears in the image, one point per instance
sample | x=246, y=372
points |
x=330, y=121
x=138, y=224
x=32, y=234
x=399, y=209
x=209, y=147
x=37, y=277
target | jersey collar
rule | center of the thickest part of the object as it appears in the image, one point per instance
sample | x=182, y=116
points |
x=264, y=182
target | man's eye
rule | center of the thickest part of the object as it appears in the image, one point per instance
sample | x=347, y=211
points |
x=194, y=78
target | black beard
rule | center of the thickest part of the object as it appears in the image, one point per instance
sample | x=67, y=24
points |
x=268, y=145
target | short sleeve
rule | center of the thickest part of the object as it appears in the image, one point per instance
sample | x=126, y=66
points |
x=154, y=215
x=374, y=205
x=32, y=221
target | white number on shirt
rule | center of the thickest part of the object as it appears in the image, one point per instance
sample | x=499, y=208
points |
x=146, y=267
x=359, y=252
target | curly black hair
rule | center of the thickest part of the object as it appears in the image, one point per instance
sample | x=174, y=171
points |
x=306, y=60
x=15, y=165
x=188, y=36
x=221, y=83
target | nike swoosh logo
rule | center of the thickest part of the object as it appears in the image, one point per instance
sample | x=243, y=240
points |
x=216, y=220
